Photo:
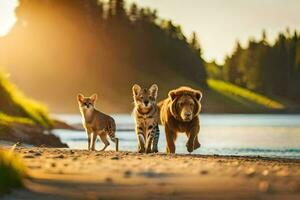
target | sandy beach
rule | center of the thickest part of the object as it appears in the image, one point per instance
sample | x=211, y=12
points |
x=80, y=174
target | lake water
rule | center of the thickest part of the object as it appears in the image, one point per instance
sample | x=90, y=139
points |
x=223, y=134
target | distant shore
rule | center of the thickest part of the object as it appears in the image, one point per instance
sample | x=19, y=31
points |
x=80, y=174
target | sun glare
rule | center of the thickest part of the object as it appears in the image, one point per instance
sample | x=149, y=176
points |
x=7, y=15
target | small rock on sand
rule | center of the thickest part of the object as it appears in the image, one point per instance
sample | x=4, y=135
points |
x=53, y=165
x=108, y=180
x=152, y=174
x=75, y=158
x=250, y=172
x=265, y=172
x=282, y=173
x=264, y=186
x=203, y=172
x=236, y=163
x=37, y=154
x=59, y=156
x=28, y=156
x=115, y=158
x=127, y=174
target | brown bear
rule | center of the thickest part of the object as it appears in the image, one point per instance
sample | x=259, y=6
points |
x=180, y=113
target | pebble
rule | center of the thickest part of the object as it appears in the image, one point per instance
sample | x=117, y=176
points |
x=60, y=156
x=265, y=173
x=108, y=180
x=75, y=158
x=204, y=172
x=264, y=186
x=236, y=163
x=282, y=173
x=28, y=156
x=127, y=173
x=37, y=154
x=250, y=172
x=115, y=158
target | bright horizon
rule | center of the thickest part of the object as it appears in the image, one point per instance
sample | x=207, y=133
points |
x=219, y=24
x=7, y=15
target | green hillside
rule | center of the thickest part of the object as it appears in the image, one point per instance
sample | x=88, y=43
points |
x=15, y=107
x=226, y=97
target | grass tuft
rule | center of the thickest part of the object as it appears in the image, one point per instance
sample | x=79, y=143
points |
x=12, y=171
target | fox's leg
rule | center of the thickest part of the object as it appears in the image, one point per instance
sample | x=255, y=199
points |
x=103, y=137
x=112, y=136
x=94, y=138
x=88, y=133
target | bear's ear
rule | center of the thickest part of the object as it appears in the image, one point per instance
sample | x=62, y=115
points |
x=80, y=97
x=172, y=94
x=136, y=89
x=153, y=90
x=94, y=98
x=198, y=95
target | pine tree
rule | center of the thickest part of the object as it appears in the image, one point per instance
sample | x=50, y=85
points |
x=194, y=43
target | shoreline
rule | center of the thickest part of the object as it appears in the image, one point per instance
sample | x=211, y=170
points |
x=80, y=174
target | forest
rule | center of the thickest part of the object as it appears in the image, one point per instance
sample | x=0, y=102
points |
x=65, y=47
x=266, y=68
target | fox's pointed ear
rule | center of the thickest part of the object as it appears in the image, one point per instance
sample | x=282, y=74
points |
x=136, y=89
x=80, y=97
x=153, y=90
x=94, y=98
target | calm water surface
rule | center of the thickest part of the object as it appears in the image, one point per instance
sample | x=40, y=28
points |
x=223, y=134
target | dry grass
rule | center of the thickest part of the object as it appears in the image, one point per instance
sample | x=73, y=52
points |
x=12, y=171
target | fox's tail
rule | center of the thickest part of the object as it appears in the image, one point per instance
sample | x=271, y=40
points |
x=112, y=135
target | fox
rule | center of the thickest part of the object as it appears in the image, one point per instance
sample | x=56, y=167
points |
x=96, y=123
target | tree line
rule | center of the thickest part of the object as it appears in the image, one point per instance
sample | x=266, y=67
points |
x=271, y=69
x=97, y=46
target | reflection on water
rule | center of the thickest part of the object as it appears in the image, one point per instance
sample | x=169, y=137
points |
x=253, y=135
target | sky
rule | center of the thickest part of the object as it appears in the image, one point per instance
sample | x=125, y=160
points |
x=7, y=15
x=218, y=23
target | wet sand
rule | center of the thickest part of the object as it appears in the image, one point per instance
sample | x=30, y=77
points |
x=79, y=174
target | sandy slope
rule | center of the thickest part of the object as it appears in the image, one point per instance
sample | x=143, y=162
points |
x=78, y=174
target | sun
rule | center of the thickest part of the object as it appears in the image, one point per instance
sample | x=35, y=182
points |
x=7, y=15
